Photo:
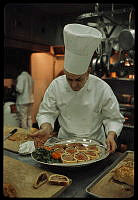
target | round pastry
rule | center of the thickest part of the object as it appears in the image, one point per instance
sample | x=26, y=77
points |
x=92, y=154
x=71, y=150
x=68, y=158
x=93, y=147
x=81, y=157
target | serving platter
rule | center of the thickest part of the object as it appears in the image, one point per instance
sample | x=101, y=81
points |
x=85, y=141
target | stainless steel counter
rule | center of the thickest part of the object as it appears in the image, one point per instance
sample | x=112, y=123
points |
x=81, y=176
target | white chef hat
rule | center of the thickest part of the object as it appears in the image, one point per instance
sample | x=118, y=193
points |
x=80, y=44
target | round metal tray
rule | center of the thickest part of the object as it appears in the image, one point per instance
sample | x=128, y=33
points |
x=85, y=141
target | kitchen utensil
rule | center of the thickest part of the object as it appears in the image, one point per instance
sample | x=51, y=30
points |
x=10, y=133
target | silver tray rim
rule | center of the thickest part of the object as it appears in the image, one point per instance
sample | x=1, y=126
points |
x=72, y=140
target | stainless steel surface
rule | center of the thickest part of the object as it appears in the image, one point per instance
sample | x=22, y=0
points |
x=11, y=133
x=85, y=142
x=107, y=170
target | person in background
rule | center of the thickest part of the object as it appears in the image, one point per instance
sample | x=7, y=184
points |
x=25, y=98
x=84, y=104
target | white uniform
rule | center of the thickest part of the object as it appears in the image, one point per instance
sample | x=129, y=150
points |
x=81, y=113
x=25, y=99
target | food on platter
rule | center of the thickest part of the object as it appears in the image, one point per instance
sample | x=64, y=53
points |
x=68, y=158
x=45, y=156
x=93, y=147
x=74, y=144
x=92, y=154
x=81, y=147
x=40, y=180
x=68, y=153
x=57, y=179
x=59, y=150
x=39, y=141
x=59, y=146
x=124, y=174
x=9, y=190
x=71, y=150
x=81, y=157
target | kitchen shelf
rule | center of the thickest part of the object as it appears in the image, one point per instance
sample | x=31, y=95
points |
x=126, y=106
x=128, y=126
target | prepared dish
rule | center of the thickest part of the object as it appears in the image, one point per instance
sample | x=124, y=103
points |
x=70, y=153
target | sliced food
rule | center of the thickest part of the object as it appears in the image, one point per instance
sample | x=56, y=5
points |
x=57, y=179
x=40, y=180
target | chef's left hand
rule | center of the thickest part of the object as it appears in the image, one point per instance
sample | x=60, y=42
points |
x=110, y=141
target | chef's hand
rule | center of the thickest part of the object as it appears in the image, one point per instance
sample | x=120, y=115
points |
x=45, y=130
x=110, y=141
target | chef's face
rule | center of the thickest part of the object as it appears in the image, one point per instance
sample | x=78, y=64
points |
x=76, y=82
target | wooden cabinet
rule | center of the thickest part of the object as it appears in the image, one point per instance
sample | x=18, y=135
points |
x=43, y=29
x=33, y=26
x=16, y=24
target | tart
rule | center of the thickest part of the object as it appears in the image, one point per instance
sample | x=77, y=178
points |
x=81, y=157
x=93, y=147
x=68, y=158
x=71, y=150
x=92, y=154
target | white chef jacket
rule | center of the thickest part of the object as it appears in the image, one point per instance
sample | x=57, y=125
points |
x=24, y=86
x=81, y=113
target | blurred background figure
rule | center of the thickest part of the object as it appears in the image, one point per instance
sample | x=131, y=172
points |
x=25, y=98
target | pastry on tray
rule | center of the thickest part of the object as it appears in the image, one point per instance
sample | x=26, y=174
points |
x=57, y=179
x=124, y=174
x=40, y=180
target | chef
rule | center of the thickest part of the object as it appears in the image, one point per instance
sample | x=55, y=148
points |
x=84, y=104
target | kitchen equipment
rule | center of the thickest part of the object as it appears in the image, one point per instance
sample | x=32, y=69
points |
x=85, y=141
x=127, y=39
x=22, y=176
x=10, y=133
x=127, y=36
x=116, y=45
x=104, y=187
x=99, y=70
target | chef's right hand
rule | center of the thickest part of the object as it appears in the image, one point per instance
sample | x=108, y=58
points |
x=45, y=130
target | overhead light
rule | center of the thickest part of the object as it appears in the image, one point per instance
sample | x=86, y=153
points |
x=92, y=24
x=87, y=15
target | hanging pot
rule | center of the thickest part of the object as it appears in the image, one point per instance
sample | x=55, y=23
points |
x=104, y=60
x=99, y=71
x=127, y=39
x=115, y=45
x=94, y=63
